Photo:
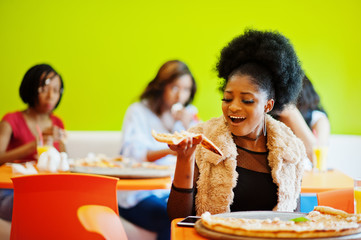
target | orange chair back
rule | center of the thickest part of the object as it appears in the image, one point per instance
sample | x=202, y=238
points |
x=45, y=205
x=342, y=199
x=102, y=220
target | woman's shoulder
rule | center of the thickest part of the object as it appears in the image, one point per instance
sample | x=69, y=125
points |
x=138, y=108
x=57, y=121
x=12, y=116
x=317, y=115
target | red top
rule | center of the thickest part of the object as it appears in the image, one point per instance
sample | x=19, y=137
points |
x=21, y=133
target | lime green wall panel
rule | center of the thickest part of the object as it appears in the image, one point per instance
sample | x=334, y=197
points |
x=107, y=51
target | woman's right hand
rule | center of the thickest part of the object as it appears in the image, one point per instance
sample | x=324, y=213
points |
x=185, y=149
x=184, y=170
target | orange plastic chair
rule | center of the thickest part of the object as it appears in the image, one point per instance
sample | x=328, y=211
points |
x=45, y=205
x=342, y=199
x=102, y=220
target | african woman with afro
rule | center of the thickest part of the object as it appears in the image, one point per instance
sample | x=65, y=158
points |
x=263, y=161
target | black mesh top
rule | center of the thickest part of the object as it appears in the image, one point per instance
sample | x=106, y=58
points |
x=254, y=191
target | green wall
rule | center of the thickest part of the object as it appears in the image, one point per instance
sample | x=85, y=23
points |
x=107, y=51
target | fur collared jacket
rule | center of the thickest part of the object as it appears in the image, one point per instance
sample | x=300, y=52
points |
x=218, y=176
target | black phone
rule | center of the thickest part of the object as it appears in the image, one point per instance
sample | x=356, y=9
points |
x=188, y=221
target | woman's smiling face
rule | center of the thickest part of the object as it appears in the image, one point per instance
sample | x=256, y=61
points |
x=244, y=105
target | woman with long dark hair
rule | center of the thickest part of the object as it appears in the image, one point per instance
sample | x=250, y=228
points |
x=164, y=106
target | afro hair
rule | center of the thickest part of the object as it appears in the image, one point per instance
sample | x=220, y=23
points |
x=269, y=50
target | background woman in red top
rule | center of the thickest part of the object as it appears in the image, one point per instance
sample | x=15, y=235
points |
x=41, y=89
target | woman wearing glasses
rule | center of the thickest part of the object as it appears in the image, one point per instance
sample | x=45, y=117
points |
x=164, y=106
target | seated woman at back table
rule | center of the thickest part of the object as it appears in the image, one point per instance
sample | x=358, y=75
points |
x=164, y=106
x=263, y=160
x=307, y=119
x=41, y=89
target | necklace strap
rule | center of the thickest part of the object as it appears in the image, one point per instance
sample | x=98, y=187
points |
x=250, y=151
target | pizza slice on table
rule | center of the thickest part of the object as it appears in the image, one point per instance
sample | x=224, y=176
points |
x=320, y=223
x=177, y=137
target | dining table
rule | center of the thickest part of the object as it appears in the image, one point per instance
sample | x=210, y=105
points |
x=6, y=174
x=183, y=233
x=317, y=181
x=313, y=182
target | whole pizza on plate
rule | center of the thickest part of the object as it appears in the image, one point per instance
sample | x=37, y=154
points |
x=321, y=222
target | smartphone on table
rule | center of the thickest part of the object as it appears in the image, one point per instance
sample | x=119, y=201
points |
x=189, y=221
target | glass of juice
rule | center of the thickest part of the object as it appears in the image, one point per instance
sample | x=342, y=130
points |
x=357, y=195
x=42, y=148
x=320, y=157
x=45, y=147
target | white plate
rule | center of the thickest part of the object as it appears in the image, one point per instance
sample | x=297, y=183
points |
x=126, y=172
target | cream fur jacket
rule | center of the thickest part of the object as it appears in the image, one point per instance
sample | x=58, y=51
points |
x=218, y=176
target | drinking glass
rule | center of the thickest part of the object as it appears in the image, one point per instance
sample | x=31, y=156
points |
x=320, y=157
x=44, y=147
x=357, y=195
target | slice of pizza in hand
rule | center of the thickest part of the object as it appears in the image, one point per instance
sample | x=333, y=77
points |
x=177, y=137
